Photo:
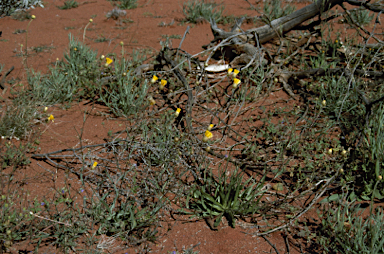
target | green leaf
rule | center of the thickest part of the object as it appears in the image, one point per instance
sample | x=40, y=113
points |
x=331, y=198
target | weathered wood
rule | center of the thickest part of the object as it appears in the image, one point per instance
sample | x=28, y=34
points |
x=281, y=25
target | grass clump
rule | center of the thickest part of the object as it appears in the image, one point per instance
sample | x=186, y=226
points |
x=69, y=4
x=345, y=230
x=360, y=17
x=274, y=9
x=21, y=15
x=127, y=4
x=223, y=197
x=196, y=11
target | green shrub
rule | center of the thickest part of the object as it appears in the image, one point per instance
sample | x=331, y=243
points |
x=196, y=11
x=274, y=9
x=215, y=198
x=69, y=4
x=344, y=230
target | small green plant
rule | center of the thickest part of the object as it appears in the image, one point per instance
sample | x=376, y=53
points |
x=19, y=31
x=42, y=48
x=21, y=15
x=361, y=17
x=13, y=155
x=273, y=9
x=127, y=4
x=345, y=230
x=14, y=221
x=9, y=7
x=229, y=198
x=196, y=11
x=69, y=4
x=101, y=38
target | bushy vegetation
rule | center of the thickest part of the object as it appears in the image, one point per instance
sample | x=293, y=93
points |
x=216, y=148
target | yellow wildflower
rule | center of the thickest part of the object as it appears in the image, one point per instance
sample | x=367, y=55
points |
x=154, y=79
x=162, y=84
x=51, y=118
x=330, y=151
x=108, y=61
x=235, y=72
x=324, y=103
x=230, y=70
x=210, y=127
x=207, y=135
x=236, y=82
x=94, y=165
x=177, y=113
x=33, y=17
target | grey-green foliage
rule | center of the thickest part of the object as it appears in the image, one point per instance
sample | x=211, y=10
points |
x=14, y=220
x=274, y=9
x=7, y=7
x=67, y=80
x=216, y=198
x=127, y=4
x=372, y=153
x=361, y=17
x=196, y=11
x=124, y=96
x=69, y=4
x=17, y=119
x=345, y=230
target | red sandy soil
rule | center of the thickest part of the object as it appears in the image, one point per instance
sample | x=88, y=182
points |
x=50, y=28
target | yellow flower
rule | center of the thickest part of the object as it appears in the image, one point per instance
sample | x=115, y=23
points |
x=177, y=113
x=330, y=151
x=210, y=127
x=154, y=79
x=236, y=82
x=207, y=135
x=121, y=43
x=90, y=20
x=75, y=49
x=33, y=17
x=230, y=70
x=162, y=84
x=108, y=61
x=94, y=165
x=336, y=41
x=151, y=100
x=51, y=118
x=235, y=72
x=324, y=103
